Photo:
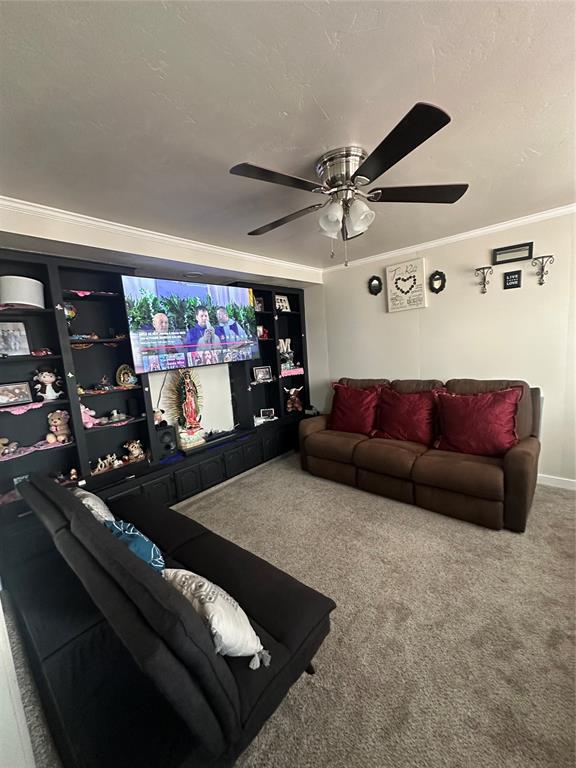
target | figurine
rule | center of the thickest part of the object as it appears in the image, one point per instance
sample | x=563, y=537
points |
x=103, y=384
x=73, y=477
x=59, y=429
x=135, y=451
x=293, y=403
x=125, y=376
x=89, y=418
x=286, y=354
x=101, y=466
x=116, y=415
x=159, y=420
x=80, y=390
x=8, y=446
x=49, y=384
x=42, y=352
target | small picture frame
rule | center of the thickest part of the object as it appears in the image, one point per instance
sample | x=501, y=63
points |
x=521, y=252
x=258, y=304
x=17, y=393
x=282, y=303
x=267, y=413
x=262, y=373
x=513, y=279
x=13, y=339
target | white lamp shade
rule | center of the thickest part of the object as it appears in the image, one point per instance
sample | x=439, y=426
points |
x=359, y=217
x=331, y=220
x=17, y=291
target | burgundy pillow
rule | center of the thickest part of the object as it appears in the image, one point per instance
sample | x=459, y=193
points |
x=403, y=416
x=483, y=424
x=353, y=410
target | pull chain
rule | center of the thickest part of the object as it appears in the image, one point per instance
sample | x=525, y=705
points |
x=345, y=253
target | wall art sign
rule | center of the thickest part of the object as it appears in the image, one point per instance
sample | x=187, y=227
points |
x=510, y=253
x=513, y=279
x=405, y=285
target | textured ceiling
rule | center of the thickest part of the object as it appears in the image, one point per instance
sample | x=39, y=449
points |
x=134, y=111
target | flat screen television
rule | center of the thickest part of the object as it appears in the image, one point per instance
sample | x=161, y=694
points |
x=175, y=324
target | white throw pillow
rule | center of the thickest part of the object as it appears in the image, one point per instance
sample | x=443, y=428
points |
x=231, y=631
x=94, y=504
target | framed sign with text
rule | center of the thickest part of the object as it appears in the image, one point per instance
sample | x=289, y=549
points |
x=405, y=286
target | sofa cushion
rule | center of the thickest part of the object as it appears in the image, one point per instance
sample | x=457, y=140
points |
x=410, y=386
x=483, y=424
x=364, y=383
x=334, y=445
x=406, y=416
x=524, y=416
x=480, y=476
x=353, y=410
x=388, y=457
x=136, y=542
x=95, y=504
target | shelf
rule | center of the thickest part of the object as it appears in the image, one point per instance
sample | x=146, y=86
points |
x=257, y=383
x=113, y=391
x=266, y=340
x=90, y=342
x=124, y=466
x=285, y=312
x=23, y=312
x=70, y=293
x=49, y=447
x=115, y=425
x=263, y=312
x=6, y=408
x=27, y=358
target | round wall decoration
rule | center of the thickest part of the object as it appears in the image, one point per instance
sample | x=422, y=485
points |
x=437, y=281
x=375, y=285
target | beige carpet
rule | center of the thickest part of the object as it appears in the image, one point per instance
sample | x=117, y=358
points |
x=451, y=647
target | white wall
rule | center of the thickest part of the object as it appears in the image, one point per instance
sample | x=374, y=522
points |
x=317, y=345
x=525, y=333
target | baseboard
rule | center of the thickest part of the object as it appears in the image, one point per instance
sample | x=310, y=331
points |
x=557, y=482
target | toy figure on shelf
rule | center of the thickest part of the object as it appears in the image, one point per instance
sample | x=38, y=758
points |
x=73, y=476
x=135, y=451
x=59, y=429
x=293, y=403
x=125, y=376
x=103, y=384
x=286, y=354
x=7, y=446
x=159, y=420
x=116, y=415
x=49, y=385
x=89, y=418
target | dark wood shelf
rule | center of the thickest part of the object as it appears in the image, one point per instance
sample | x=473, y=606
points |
x=263, y=312
x=115, y=425
x=24, y=312
x=54, y=447
x=281, y=312
x=113, y=391
x=26, y=358
x=97, y=341
x=266, y=340
x=5, y=408
x=69, y=293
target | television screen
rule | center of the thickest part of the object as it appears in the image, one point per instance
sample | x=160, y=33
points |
x=181, y=325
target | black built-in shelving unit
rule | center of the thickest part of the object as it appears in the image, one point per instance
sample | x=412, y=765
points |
x=167, y=479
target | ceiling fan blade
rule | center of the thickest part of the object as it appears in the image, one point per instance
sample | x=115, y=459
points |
x=433, y=193
x=422, y=122
x=263, y=174
x=286, y=219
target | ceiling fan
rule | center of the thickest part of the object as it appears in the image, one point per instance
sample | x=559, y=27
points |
x=344, y=171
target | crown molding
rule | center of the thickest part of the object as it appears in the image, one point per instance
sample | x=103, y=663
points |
x=552, y=213
x=206, y=252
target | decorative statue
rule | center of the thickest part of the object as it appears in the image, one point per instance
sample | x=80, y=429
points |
x=88, y=417
x=189, y=409
x=59, y=429
x=286, y=354
x=49, y=385
x=135, y=451
x=293, y=403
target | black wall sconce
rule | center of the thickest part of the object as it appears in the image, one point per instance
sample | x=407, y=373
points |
x=541, y=262
x=482, y=273
x=375, y=285
x=437, y=281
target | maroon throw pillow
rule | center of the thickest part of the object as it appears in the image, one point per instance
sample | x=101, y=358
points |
x=353, y=410
x=483, y=424
x=403, y=416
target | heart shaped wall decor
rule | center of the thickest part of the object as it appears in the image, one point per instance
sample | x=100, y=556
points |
x=405, y=284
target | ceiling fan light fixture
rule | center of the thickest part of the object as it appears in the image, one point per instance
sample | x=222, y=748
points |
x=331, y=219
x=359, y=217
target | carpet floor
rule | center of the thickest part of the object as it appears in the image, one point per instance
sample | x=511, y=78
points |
x=452, y=646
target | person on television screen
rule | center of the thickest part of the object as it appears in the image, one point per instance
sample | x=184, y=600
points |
x=228, y=329
x=202, y=336
x=160, y=322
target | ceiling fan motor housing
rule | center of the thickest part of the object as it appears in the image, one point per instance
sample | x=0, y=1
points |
x=336, y=168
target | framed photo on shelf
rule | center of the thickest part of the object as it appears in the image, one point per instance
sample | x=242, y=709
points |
x=258, y=304
x=282, y=303
x=521, y=252
x=13, y=339
x=267, y=413
x=17, y=393
x=262, y=373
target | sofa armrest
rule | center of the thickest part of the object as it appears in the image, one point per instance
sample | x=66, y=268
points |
x=520, y=475
x=308, y=427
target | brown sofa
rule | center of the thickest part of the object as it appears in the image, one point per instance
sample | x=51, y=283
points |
x=493, y=492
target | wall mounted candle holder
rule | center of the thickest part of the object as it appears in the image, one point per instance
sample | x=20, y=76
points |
x=482, y=273
x=541, y=262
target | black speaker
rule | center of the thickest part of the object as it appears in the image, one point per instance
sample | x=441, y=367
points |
x=166, y=440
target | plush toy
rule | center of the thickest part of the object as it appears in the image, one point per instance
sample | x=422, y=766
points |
x=293, y=403
x=159, y=420
x=88, y=417
x=135, y=451
x=49, y=385
x=59, y=429
x=8, y=446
